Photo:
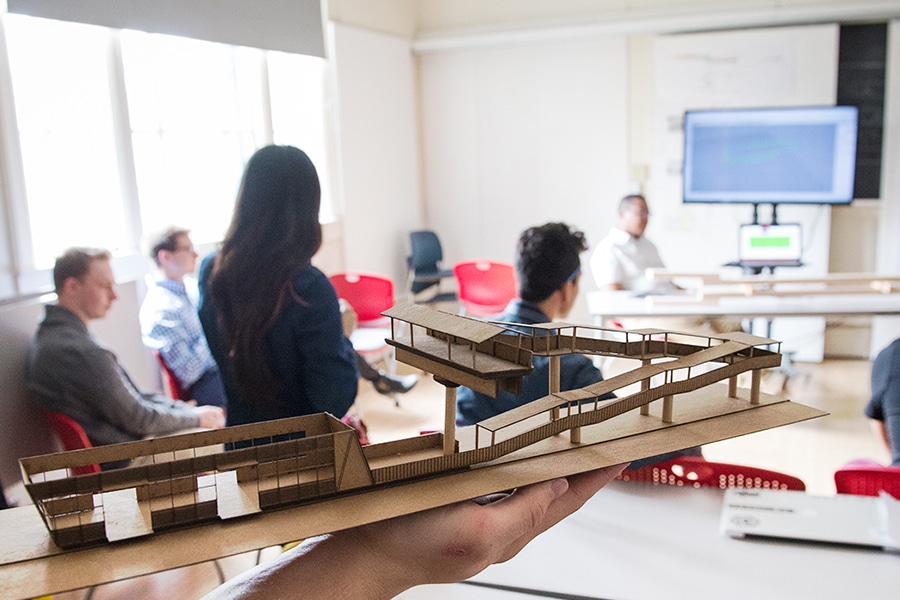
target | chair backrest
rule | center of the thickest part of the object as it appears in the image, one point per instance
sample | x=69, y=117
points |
x=72, y=436
x=176, y=391
x=425, y=251
x=424, y=260
x=485, y=287
x=696, y=472
x=368, y=293
x=868, y=480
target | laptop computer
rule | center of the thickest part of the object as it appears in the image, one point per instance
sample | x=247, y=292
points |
x=869, y=521
x=770, y=245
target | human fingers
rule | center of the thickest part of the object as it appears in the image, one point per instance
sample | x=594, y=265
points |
x=569, y=497
x=211, y=417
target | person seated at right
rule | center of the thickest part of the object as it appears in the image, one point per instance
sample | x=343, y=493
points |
x=170, y=323
x=883, y=408
x=548, y=268
x=69, y=372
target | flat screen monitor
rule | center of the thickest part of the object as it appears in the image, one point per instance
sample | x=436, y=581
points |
x=804, y=155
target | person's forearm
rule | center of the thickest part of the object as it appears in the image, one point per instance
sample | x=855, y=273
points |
x=441, y=545
x=310, y=571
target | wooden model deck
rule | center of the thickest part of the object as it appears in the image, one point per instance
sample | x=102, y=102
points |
x=188, y=480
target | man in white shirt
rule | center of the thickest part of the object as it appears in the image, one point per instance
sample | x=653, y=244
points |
x=621, y=260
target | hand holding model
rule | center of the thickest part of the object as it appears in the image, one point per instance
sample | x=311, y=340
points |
x=441, y=545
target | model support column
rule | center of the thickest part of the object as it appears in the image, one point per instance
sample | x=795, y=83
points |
x=449, y=416
x=755, y=376
x=554, y=384
x=732, y=387
x=668, y=406
x=645, y=385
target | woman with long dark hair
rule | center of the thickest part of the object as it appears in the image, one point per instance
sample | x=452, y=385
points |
x=271, y=318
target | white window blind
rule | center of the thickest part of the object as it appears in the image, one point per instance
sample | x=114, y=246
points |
x=284, y=25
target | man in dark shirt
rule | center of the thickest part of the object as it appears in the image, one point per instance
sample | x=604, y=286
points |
x=70, y=373
x=548, y=268
x=884, y=406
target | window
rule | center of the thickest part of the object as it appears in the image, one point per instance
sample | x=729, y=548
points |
x=122, y=133
x=196, y=115
x=62, y=95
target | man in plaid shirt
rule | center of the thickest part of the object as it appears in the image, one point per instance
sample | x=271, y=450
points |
x=169, y=321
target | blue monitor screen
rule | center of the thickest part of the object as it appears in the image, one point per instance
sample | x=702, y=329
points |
x=776, y=155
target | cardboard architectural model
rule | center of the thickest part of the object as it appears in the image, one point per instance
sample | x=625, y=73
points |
x=191, y=479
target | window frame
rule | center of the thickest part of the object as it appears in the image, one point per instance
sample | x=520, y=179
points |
x=19, y=277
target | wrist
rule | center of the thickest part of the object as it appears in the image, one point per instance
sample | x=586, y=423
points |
x=370, y=570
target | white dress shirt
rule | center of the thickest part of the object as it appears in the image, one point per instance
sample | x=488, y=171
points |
x=624, y=259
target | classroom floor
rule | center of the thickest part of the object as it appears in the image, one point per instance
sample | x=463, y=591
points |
x=811, y=450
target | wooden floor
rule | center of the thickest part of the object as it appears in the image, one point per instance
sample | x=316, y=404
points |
x=810, y=450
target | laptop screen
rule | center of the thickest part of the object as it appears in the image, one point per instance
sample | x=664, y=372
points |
x=770, y=243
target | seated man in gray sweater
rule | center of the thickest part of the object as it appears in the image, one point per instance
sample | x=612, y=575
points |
x=69, y=372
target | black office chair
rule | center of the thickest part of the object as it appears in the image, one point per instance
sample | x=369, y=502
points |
x=424, y=267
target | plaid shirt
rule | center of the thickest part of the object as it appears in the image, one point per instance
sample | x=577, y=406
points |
x=170, y=324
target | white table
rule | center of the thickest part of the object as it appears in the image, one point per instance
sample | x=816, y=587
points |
x=802, y=337
x=605, y=305
x=640, y=541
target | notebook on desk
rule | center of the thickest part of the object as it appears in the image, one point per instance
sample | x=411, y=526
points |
x=770, y=245
x=844, y=519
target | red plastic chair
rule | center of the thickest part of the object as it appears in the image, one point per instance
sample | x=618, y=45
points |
x=369, y=295
x=697, y=472
x=170, y=381
x=485, y=287
x=867, y=480
x=72, y=436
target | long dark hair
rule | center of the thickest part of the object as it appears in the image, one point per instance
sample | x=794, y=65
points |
x=273, y=234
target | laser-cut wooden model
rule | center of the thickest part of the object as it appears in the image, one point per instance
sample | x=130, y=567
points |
x=191, y=479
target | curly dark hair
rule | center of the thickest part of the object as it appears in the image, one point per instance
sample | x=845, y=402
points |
x=546, y=258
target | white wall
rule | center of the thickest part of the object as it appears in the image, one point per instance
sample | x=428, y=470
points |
x=519, y=136
x=378, y=148
x=485, y=97
x=23, y=431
